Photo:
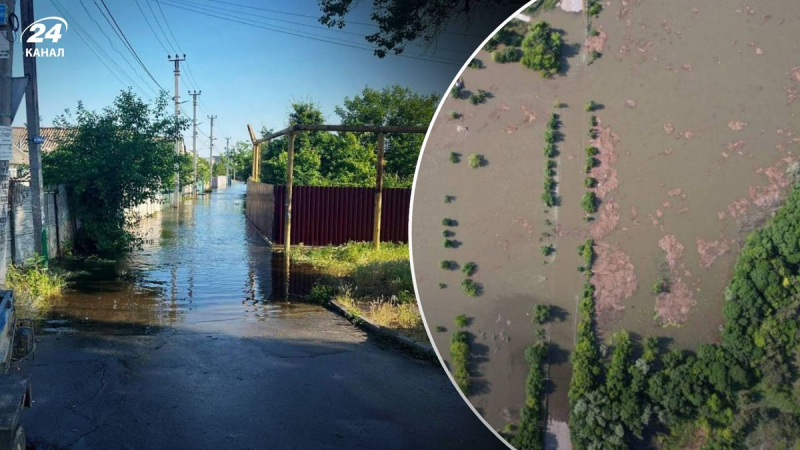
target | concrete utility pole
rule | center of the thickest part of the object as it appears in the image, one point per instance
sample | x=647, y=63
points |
x=227, y=160
x=177, y=60
x=211, y=153
x=34, y=140
x=194, y=136
x=6, y=118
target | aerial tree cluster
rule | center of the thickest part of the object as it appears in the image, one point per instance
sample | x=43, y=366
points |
x=742, y=393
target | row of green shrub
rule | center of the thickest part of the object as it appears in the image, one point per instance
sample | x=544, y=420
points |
x=550, y=152
x=459, y=359
x=531, y=428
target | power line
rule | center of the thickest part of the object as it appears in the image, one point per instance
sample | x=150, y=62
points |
x=316, y=27
x=340, y=43
x=166, y=22
x=91, y=17
x=96, y=49
x=166, y=38
x=122, y=36
x=316, y=18
x=146, y=19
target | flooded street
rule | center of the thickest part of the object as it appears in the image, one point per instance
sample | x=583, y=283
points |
x=188, y=343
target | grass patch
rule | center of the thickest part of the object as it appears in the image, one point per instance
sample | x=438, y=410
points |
x=35, y=287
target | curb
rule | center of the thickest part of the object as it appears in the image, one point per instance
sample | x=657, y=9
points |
x=421, y=349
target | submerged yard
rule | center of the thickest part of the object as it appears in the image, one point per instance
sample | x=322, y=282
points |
x=692, y=112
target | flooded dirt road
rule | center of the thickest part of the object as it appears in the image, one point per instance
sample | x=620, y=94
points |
x=182, y=345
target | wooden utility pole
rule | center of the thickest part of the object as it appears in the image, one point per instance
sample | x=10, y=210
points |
x=211, y=154
x=177, y=60
x=254, y=172
x=287, y=219
x=34, y=140
x=6, y=119
x=376, y=227
x=194, y=95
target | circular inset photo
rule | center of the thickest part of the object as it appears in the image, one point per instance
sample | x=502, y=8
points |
x=605, y=226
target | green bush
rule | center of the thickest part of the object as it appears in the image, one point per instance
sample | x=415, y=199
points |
x=454, y=115
x=589, y=182
x=590, y=106
x=548, y=198
x=459, y=358
x=448, y=233
x=470, y=268
x=549, y=150
x=448, y=222
x=321, y=293
x=476, y=161
x=531, y=428
x=442, y=285
x=455, y=158
x=550, y=164
x=479, y=97
x=552, y=122
x=34, y=286
x=541, y=314
x=541, y=49
x=456, y=91
x=440, y=329
x=549, y=183
x=449, y=198
x=449, y=243
x=447, y=264
x=547, y=250
x=550, y=136
x=462, y=320
x=506, y=55
x=593, y=121
x=587, y=253
x=594, y=8
x=660, y=286
x=589, y=202
x=591, y=150
x=470, y=287
x=476, y=64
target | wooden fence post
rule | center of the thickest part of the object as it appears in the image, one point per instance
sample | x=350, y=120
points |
x=376, y=227
x=287, y=219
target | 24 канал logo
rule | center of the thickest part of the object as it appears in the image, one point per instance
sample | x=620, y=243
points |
x=40, y=33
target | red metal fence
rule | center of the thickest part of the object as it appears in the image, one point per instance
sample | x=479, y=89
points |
x=324, y=215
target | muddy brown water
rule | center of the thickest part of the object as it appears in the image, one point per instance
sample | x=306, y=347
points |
x=200, y=263
x=700, y=118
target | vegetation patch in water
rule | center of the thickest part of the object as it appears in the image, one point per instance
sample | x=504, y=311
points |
x=35, y=286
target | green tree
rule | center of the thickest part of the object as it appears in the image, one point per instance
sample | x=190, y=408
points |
x=114, y=159
x=392, y=106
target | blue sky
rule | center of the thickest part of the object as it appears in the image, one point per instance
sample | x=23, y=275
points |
x=246, y=74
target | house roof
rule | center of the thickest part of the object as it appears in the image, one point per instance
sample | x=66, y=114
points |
x=19, y=142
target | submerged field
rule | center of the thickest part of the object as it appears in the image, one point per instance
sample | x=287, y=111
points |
x=697, y=137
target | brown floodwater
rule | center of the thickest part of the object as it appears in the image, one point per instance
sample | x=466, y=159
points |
x=200, y=263
x=698, y=137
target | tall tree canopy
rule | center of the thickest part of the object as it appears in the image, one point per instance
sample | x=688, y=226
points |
x=403, y=21
x=348, y=159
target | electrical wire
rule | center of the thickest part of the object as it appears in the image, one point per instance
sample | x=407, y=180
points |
x=160, y=42
x=124, y=38
x=292, y=33
x=96, y=49
x=111, y=43
x=247, y=15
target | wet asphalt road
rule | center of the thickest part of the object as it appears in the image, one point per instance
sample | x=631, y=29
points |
x=190, y=352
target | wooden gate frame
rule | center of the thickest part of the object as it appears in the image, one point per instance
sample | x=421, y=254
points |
x=292, y=131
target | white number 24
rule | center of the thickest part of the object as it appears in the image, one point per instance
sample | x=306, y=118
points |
x=39, y=29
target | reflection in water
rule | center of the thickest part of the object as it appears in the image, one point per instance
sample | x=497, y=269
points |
x=202, y=262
